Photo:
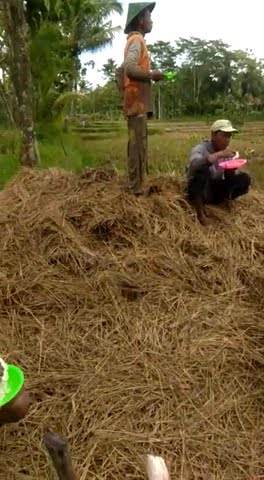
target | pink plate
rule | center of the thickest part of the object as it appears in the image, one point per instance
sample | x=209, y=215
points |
x=233, y=163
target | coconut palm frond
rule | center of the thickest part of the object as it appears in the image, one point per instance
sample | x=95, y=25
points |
x=66, y=98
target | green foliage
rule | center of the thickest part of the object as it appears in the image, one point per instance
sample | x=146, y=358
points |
x=9, y=142
x=84, y=22
x=163, y=56
x=211, y=80
x=109, y=69
x=61, y=30
x=62, y=150
x=51, y=66
x=168, y=150
x=105, y=100
x=9, y=164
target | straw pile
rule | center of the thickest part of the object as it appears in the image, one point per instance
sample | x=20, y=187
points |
x=138, y=330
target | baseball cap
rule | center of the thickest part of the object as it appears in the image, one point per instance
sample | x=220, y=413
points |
x=223, y=126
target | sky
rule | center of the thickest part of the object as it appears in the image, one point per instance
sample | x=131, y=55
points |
x=239, y=26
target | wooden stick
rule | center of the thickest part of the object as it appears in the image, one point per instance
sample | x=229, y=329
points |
x=59, y=453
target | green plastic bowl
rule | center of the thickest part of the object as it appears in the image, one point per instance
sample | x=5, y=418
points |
x=15, y=383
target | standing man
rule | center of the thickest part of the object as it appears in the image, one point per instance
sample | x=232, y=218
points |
x=137, y=91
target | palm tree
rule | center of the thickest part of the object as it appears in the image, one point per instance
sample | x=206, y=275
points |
x=86, y=25
x=17, y=36
x=86, y=22
x=82, y=25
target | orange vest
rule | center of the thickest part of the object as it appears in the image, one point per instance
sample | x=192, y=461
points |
x=137, y=93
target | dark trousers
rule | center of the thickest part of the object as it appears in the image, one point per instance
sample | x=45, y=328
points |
x=203, y=188
x=137, y=152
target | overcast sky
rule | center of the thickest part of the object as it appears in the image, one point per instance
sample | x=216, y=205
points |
x=239, y=26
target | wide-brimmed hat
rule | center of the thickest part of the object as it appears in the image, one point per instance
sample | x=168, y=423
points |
x=135, y=9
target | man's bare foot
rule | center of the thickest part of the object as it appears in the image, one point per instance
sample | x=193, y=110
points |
x=201, y=213
x=228, y=204
x=204, y=220
x=153, y=189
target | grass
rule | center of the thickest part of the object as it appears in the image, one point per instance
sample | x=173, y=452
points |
x=170, y=145
x=102, y=144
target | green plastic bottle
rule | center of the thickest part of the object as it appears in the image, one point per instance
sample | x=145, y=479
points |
x=170, y=75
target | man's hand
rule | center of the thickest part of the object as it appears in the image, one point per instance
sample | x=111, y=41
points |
x=156, y=76
x=227, y=153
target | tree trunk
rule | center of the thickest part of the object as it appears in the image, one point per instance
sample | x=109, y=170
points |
x=7, y=104
x=74, y=90
x=159, y=103
x=20, y=73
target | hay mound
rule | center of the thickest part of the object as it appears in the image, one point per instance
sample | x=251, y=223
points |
x=138, y=330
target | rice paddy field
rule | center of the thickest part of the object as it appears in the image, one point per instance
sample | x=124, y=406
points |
x=104, y=143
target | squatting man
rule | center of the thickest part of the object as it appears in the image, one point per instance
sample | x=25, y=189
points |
x=207, y=182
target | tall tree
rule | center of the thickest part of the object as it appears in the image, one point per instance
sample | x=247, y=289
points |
x=52, y=73
x=17, y=35
x=87, y=26
x=211, y=79
x=163, y=56
x=85, y=23
x=109, y=69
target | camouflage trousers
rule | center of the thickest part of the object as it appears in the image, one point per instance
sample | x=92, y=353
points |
x=137, y=152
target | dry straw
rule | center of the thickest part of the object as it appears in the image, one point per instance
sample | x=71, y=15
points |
x=138, y=330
